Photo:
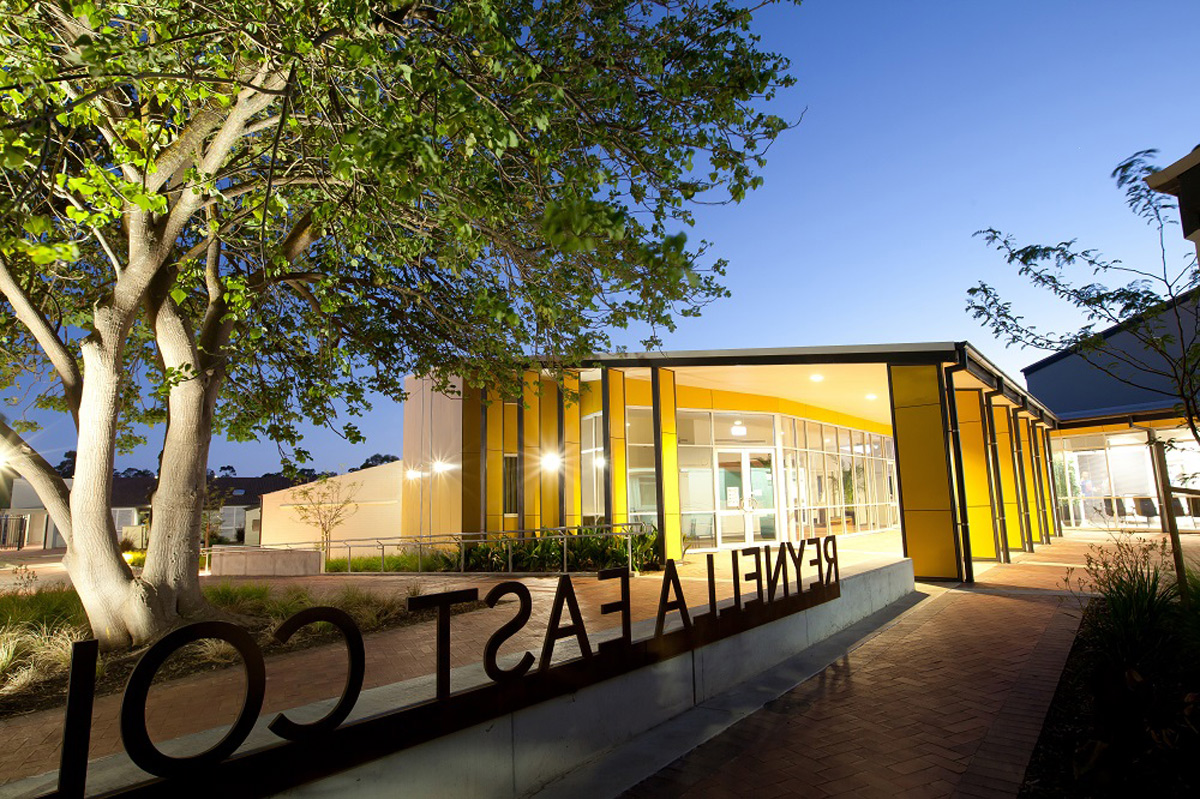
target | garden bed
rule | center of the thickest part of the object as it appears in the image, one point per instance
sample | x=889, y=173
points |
x=1125, y=718
x=40, y=625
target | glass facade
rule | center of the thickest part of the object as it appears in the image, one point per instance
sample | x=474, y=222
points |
x=1106, y=480
x=756, y=477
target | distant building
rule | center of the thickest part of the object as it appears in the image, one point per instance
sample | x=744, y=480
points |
x=131, y=497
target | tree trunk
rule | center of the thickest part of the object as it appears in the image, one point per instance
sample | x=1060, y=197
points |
x=122, y=611
x=173, y=558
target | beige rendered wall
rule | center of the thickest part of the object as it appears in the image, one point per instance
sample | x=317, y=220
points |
x=433, y=461
x=377, y=495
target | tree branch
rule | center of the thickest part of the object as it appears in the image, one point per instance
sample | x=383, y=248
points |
x=60, y=357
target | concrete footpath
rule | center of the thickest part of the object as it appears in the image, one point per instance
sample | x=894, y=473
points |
x=948, y=699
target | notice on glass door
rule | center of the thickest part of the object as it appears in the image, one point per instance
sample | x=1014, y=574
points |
x=732, y=497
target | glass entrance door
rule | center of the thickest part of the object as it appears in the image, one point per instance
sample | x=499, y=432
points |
x=745, y=497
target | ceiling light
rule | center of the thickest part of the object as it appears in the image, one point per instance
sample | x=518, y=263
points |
x=816, y=378
x=738, y=428
x=551, y=461
x=872, y=396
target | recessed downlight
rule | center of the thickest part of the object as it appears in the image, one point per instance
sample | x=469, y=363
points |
x=872, y=396
x=816, y=378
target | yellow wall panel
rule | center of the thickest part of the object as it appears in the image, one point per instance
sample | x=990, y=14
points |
x=531, y=449
x=590, y=399
x=617, y=475
x=927, y=533
x=733, y=401
x=473, y=449
x=497, y=418
x=1002, y=423
x=638, y=393
x=975, y=474
x=921, y=449
x=571, y=457
x=669, y=474
x=547, y=444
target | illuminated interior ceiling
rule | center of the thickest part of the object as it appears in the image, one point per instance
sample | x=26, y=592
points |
x=843, y=387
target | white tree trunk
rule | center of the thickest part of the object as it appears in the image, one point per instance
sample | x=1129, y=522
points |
x=122, y=611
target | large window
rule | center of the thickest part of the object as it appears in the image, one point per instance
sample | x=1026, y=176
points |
x=591, y=476
x=639, y=456
x=1106, y=480
x=820, y=478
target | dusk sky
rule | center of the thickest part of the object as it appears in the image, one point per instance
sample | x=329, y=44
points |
x=925, y=122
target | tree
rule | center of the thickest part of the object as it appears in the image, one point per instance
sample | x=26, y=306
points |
x=325, y=504
x=232, y=217
x=1158, y=308
x=133, y=471
x=228, y=471
x=66, y=467
x=211, y=520
x=376, y=460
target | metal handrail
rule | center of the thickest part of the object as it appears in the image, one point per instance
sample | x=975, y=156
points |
x=461, y=541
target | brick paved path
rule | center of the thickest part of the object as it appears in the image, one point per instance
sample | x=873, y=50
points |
x=948, y=701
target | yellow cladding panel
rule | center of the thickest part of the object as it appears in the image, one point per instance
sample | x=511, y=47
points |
x=1030, y=486
x=921, y=447
x=548, y=444
x=975, y=474
x=929, y=534
x=1047, y=477
x=638, y=393
x=494, y=468
x=472, y=460
x=1008, y=479
x=672, y=532
x=530, y=447
x=571, y=457
x=924, y=480
x=510, y=427
x=619, y=512
x=590, y=398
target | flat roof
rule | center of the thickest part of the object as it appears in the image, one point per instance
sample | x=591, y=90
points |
x=962, y=353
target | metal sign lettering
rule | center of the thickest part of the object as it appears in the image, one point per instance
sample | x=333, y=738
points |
x=317, y=749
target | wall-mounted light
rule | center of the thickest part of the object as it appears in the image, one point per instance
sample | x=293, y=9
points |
x=872, y=396
x=442, y=466
x=413, y=474
x=816, y=378
x=600, y=462
x=738, y=429
x=551, y=461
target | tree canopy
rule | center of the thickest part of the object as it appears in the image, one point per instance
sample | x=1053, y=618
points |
x=332, y=195
x=239, y=217
x=1159, y=306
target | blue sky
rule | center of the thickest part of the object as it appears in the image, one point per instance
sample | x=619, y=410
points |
x=925, y=122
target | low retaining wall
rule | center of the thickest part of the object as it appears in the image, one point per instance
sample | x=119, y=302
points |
x=519, y=753
x=238, y=562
